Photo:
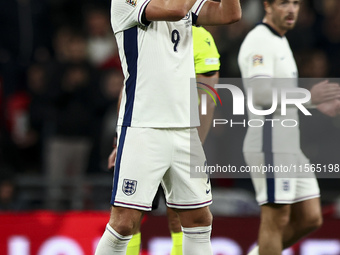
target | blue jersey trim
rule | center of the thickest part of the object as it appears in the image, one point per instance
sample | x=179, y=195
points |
x=194, y=19
x=117, y=166
x=267, y=148
x=131, y=54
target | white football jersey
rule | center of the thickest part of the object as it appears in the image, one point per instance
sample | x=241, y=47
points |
x=264, y=53
x=157, y=62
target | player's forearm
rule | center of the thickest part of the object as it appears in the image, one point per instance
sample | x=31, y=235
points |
x=207, y=119
x=324, y=91
x=263, y=91
x=220, y=13
x=168, y=10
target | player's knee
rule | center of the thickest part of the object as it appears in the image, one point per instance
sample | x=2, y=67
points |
x=125, y=221
x=124, y=228
x=275, y=217
x=203, y=219
x=282, y=222
x=313, y=222
x=196, y=217
x=278, y=223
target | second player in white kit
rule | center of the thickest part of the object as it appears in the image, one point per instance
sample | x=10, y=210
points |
x=290, y=204
x=263, y=68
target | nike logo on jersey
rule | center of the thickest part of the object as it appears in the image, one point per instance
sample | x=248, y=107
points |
x=207, y=191
x=207, y=41
x=187, y=16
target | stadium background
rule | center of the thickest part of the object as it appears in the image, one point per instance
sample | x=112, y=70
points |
x=62, y=52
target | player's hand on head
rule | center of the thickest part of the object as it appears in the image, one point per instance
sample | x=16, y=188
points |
x=325, y=91
x=112, y=159
x=330, y=108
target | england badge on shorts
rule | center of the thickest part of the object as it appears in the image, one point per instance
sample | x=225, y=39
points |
x=129, y=187
x=286, y=185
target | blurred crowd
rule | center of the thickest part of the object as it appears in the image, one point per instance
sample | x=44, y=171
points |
x=60, y=79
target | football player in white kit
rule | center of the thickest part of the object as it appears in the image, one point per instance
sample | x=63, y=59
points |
x=157, y=138
x=290, y=207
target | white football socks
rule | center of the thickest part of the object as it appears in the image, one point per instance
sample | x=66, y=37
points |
x=254, y=251
x=112, y=243
x=196, y=241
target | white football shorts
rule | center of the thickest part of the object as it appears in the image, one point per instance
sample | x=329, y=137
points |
x=147, y=157
x=287, y=182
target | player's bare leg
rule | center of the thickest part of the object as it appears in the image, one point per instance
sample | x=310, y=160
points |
x=174, y=221
x=196, y=226
x=123, y=223
x=125, y=220
x=274, y=220
x=305, y=217
x=176, y=231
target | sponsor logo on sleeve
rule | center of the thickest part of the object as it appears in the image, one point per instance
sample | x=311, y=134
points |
x=211, y=61
x=257, y=60
x=131, y=2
